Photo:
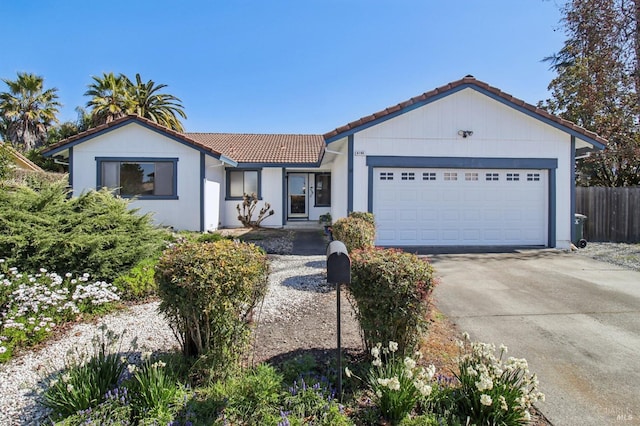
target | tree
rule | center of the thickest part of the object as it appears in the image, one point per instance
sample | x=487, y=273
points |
x=114, y=96
x=109, y=98
x=27, y=111
x=597, y=83
x=160, y=108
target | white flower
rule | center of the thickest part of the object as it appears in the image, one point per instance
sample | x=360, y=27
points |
x=423, y=388
x=527, y=415
x=375, y=352
x=347, y=372
x=383, y=382
x=377, y=362
x=69, y=387
x=158, y=364
x=146, y=355
x=131, y=368
x=471, y=371
x=409, y=363
x=503, y=403
x=68, y=275
x=2, y=349
x=393, y=346
x=504, y=349
x=394, y=383
x=486, y=400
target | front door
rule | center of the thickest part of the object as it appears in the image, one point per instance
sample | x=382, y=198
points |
x=297, y=195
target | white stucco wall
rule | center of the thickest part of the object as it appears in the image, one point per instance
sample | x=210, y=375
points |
x=134, y=140
x=499, y=131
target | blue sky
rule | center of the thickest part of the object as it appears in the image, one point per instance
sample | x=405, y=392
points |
x=275, y=66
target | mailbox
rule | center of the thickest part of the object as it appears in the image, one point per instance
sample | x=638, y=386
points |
x=338, y=263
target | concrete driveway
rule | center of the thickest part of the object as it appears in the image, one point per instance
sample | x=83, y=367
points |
x=576, y=320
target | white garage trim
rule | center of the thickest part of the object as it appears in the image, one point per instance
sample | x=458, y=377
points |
x=548, y=164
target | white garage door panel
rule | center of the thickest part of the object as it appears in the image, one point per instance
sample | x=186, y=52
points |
x=460, y=207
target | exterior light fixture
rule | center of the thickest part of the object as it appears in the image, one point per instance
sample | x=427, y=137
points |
x=465, y=133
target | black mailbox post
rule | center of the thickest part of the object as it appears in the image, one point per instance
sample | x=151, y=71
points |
x=338, y=272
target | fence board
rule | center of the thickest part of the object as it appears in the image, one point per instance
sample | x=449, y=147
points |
x=613, y=214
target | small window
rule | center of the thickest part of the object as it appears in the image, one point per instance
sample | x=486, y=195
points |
x=408, y=176
x=471, y=176
x=142, y=178
x=429, y=176
x=450, y=176
x=491, y=176
x=533, y=177
x=513, y=177
x=386, y=175
x=240, y=182
x=323, y=189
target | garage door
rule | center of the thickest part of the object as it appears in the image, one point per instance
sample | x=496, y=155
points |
x=461, y=207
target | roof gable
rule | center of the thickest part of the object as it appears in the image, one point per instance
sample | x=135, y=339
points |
x=454, y=87
x=115, y=124
x=20, y=160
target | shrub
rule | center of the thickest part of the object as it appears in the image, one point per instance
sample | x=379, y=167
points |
x=245, y=213
x=83, y=383
x=210, y=237
x=493, y=390
x=139, y=282
x=208, y=293
x=94, y=233
x=390, y=290
x=355, y=232
x=366, y=216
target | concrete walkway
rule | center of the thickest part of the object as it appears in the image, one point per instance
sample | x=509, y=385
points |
x=309, y=243
x=576, y=320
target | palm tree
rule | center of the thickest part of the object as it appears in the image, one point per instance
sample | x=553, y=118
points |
x=109, y=98
x=160, y=108
x=114, y=96
x=27, y=111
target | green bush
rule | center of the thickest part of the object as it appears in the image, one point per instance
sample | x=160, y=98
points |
x=390, y=290
x=94, y=233
x=139, y=282
x=366, y=216
x=210, y=237
x=208, y=293
x=355, y=232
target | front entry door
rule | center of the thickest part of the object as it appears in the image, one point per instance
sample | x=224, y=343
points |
x=297, y=195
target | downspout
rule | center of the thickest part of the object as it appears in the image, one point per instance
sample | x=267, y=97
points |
x=572, y=208
x=350, y=175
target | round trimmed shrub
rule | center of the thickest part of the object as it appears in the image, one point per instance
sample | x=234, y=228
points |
x=355, y=232
x=208, y=292
x=390, y=290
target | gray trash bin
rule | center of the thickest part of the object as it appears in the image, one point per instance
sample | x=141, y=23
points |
x=578, y=226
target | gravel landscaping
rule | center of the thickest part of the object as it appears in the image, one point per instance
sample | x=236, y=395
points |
x=621, y=254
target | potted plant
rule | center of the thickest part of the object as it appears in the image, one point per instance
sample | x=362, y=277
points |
x=325, y=220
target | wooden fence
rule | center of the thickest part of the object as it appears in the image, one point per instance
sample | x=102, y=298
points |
x=613, y=214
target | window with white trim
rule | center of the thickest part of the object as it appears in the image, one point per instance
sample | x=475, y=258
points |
x=408, y=176
x=428, y=176
x=142, y=178
x=533, y=177
x=492, y=176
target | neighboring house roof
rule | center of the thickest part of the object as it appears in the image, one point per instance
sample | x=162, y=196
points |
x=466, y=82
x=19, y=160
x=264, y=149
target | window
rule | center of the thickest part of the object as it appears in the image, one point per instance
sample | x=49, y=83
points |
x=240, y=182
x=471, y=176
x=323, y=189
x=408, y=176
x=513, y=176
x=386, y=175
x=139, y=177
x=450, y=176
x=491, y=176
x=428, y=176
x=533, y=177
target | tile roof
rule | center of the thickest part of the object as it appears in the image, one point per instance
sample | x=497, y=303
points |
x=466, y=81
x=264, y=148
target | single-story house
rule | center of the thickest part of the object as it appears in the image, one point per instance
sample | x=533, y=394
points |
x=464, y=164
